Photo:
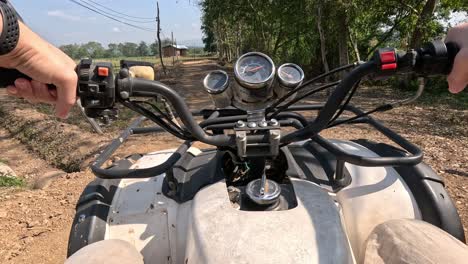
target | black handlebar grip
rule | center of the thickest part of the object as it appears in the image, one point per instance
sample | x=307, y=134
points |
x=452, y=51
x=436, y=58
x=9, y=76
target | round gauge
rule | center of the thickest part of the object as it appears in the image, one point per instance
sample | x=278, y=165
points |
x=290, y=75
x=254, y=70
x=216, y=82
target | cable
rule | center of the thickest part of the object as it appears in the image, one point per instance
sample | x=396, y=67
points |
x=114, y=15
x=120, y=13
x=351, y=94
x=295, y=100
x=165, y=117
x=110, y=17
x=302, y=86
x=176, y=131
x=381, y=108
x=145, y=112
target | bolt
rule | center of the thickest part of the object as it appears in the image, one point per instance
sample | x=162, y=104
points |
x=274, y=122
x=81, y=218
x=263, y=124
x=240, y=123
x=252, y=124
x=124, y=95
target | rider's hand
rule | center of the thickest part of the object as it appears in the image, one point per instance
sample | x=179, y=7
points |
x=458, y=78
x=45, y=64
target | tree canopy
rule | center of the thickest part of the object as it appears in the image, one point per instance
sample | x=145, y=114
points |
x=320, y=33
x=114, y=50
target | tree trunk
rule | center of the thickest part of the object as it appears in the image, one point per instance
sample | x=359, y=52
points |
x=343, y=39
x=323, y=43
x=355, y=47
x=425, y=16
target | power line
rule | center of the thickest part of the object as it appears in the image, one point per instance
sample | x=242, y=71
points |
x=86, y=2
x=152, y=19
x=110, y=17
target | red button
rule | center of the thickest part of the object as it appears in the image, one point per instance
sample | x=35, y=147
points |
x=387, y=57
x=103, y=71
x=390, y=66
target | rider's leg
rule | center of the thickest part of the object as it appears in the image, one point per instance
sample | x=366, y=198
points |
x=107, y=251
x=412, y=241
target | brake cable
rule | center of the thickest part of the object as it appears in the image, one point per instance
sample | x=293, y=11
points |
x=305, y=84
x=295, y=100
x=351, y=94
x=165, y=116
x=145, y=112
x=382, y=108
x=185, y=135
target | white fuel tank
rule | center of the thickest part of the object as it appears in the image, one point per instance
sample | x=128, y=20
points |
x=309, y=233
x=209, y=230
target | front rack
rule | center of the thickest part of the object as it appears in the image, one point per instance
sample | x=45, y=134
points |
x=216, y=121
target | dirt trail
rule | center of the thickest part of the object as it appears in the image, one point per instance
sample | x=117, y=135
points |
x=34, y=224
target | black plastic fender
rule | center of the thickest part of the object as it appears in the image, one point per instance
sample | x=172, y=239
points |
x=92, y=209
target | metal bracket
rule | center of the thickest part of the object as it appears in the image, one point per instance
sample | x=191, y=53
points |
x=270, y=145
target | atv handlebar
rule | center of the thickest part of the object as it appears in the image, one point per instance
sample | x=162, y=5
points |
x=99, y=94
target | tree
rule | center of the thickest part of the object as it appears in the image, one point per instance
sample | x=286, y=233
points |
x=113, y=51
x=94, y=49
x=154, y=49
x=143, y=49
x=346, y=30
x=129, y=49
x=71, y=50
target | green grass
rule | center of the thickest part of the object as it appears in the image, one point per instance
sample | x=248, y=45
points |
x=11, y=182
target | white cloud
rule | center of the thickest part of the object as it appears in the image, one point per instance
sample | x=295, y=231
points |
x=116, y=29
x=63, y=15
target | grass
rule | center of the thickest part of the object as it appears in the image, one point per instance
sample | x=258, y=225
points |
x=11, y=182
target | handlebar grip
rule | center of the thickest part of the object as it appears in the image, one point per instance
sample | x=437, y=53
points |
x=452, y=51
x=9, y=76
x=436, y=58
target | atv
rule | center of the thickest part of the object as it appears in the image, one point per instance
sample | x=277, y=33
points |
x=272, y=190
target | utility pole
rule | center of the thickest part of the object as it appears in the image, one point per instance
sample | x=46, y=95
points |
x=173, y=47
x=159, y=38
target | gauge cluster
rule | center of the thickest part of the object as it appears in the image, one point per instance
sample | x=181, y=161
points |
x=257, y=82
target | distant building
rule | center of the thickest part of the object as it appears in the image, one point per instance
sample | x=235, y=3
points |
x=174, y=50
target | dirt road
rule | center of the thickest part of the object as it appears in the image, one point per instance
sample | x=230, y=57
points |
x=34, y=224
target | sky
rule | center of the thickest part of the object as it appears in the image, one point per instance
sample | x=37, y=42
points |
x=64, y=22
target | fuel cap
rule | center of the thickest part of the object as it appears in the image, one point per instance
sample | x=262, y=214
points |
x=263, y=191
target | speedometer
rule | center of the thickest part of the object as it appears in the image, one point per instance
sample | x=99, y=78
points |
x=216, y=83
x=254, y=70
x=290, y=75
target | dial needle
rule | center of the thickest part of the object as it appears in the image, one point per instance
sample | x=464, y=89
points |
x=289, y=75
x=255, y=69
